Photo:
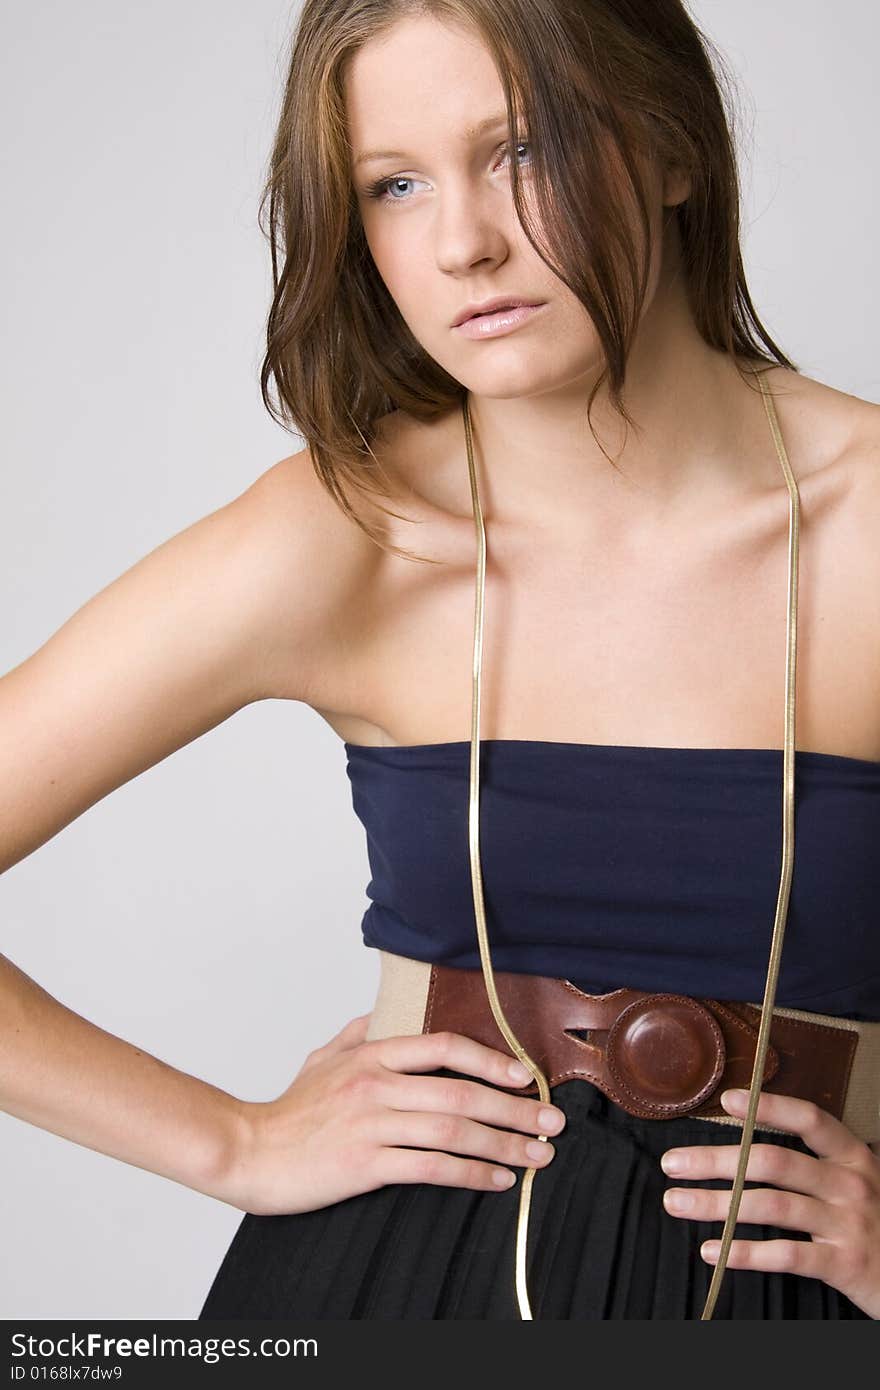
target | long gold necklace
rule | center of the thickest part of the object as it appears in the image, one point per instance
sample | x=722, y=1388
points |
x=784, y=881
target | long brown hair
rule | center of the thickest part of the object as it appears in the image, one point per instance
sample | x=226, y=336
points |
x=599, y=83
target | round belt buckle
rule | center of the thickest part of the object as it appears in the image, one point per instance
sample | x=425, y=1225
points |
x=666, y=1052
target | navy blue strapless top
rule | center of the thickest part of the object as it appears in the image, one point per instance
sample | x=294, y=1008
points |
x=613, y=865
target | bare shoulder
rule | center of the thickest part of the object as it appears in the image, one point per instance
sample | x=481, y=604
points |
x=834, y=420
x=242, y=605
x=833, y=440
x=860, y=556
x=315, y=566
x=839, y=434
x=357, y=625
x=851, y=428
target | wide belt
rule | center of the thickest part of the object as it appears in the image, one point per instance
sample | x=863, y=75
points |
x=658, y=1055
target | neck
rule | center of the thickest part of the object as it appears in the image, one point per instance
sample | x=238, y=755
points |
x=700, y=432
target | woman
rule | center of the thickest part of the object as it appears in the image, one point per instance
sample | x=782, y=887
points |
x=632, y=706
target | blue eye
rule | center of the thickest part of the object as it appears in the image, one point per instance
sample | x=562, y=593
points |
x=381, y=188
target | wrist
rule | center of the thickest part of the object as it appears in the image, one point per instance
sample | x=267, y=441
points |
x=230, y=1162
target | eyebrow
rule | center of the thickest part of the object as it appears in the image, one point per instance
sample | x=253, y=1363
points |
x=471, y=133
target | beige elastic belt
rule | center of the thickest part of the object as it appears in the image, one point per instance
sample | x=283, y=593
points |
x=417, y=997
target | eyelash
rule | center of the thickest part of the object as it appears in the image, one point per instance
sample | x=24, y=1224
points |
x=379, y=189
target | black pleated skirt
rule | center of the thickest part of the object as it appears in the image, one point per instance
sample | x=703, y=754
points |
x=601, y=1245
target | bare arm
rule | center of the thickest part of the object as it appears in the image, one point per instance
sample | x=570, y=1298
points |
x=67, y=1075
x=218, y=616
x=236, y=608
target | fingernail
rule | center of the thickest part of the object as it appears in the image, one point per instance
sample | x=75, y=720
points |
x=710, y=1248
x=517, y=1072
x=502, y=1177
x=679, y=1201
x=541, y=1151
x=733, y=1097
x=671, y=1162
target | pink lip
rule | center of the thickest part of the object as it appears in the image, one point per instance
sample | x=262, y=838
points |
x=501, y=321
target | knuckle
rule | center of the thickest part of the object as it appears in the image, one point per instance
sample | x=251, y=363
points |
x=774, y=1161
x=813, y=1116
x=780, y=1208
x=711, y=1163
x=861, y=1188
x=789, y=1256
x=444, y=1041
x=448, y=1129
x=429, y=1166
x=454, y=1095
x=359, y=1084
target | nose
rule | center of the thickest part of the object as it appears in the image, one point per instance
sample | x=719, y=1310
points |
x=471, y=229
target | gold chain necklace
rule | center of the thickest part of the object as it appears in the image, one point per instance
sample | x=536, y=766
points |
x=784, y=882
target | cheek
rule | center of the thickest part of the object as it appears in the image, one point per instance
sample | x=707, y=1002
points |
x=404, y=270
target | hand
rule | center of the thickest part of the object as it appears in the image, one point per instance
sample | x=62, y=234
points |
x=834, y=1197
x=355, y=1118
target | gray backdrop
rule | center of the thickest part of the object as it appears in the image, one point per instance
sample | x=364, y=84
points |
x=209, y=911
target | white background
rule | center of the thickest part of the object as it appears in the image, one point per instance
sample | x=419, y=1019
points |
x=209, y=911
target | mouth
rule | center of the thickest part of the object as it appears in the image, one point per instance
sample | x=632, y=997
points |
x=493, y=306
x=497, y=322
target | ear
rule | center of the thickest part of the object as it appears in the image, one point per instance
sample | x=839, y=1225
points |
x=676, y=185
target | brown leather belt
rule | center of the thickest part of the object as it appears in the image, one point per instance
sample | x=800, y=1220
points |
x=657, y=1055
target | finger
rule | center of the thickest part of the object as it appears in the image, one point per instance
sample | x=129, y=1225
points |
x=788, y=1256
x=820, y=1130
x=454, y=1095
x=418, y=1052
x=460, y=1135
x=440, y=1169
x=773, y=1163
x=759, y=1206
x=356, y=1029
x=349, y=1036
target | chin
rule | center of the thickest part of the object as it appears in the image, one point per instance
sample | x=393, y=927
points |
x=511, y=383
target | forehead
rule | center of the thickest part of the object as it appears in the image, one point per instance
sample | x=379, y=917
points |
x=419, y=79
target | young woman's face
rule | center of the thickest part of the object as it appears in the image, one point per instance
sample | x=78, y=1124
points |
x=443, y=231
